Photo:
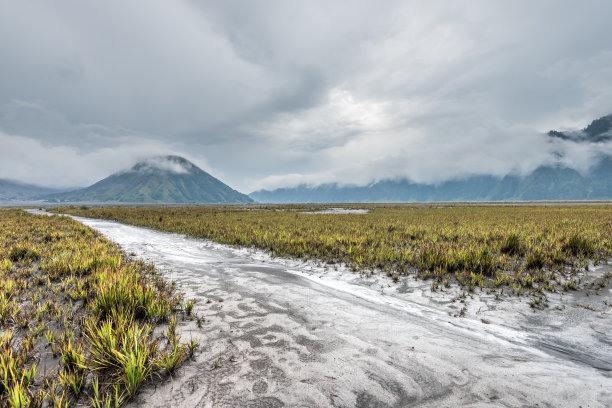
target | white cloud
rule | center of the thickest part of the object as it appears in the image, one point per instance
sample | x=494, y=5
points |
x=164, y=163
x=278, y=93
x=372, y=147
x=28, y=160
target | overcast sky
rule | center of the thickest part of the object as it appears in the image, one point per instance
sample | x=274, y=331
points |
x=265, y=94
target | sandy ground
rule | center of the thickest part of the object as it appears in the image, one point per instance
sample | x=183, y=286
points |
x=281, y=332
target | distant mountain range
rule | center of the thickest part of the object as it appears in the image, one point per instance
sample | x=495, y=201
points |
x=16, y=191
x=165, y=179
x=173, y=179
x=545, y=183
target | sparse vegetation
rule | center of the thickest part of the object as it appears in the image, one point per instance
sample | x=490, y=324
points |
x=69, y=301
x=528, y=248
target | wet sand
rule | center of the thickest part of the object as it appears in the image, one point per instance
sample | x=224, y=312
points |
x=281, y=332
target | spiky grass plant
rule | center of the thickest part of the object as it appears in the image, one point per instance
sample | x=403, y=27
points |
x=175, y=351
x=188, y=306
x=18, y=397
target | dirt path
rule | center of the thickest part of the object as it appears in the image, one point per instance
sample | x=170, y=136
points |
x=284, y=333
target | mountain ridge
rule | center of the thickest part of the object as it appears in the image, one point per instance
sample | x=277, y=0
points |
x=549, y=182
x=599, y=130
x=11, y=190
x=545, y=183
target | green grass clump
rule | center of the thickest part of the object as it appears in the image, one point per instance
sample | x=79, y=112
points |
x=22, y=253
x=535, y=260
x=474, y=245
x=579, y=246
x=95, y=312
x=122, y=346
x=512, y=245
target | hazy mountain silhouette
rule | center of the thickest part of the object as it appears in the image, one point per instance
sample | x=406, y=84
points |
x=545, y=183
x=16, y=191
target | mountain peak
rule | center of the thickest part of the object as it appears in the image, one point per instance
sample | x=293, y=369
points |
x=599, y=127
x=599, y=130
x=165, y=164
x=160, y=179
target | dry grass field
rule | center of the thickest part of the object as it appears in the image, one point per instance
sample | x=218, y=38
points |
x=522, y=248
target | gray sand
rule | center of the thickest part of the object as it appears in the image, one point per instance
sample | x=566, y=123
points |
x=281, y=332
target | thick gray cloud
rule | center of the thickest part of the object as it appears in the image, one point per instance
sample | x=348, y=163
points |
x=275, y=93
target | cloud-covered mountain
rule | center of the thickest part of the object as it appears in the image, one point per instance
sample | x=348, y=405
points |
x=600, y=130
x=554, y=181
x=164, y=179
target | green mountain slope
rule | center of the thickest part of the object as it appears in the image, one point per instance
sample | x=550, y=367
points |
x=167, y=179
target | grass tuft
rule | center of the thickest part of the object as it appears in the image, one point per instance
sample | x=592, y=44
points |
x=579, y=246
x=512, y=245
